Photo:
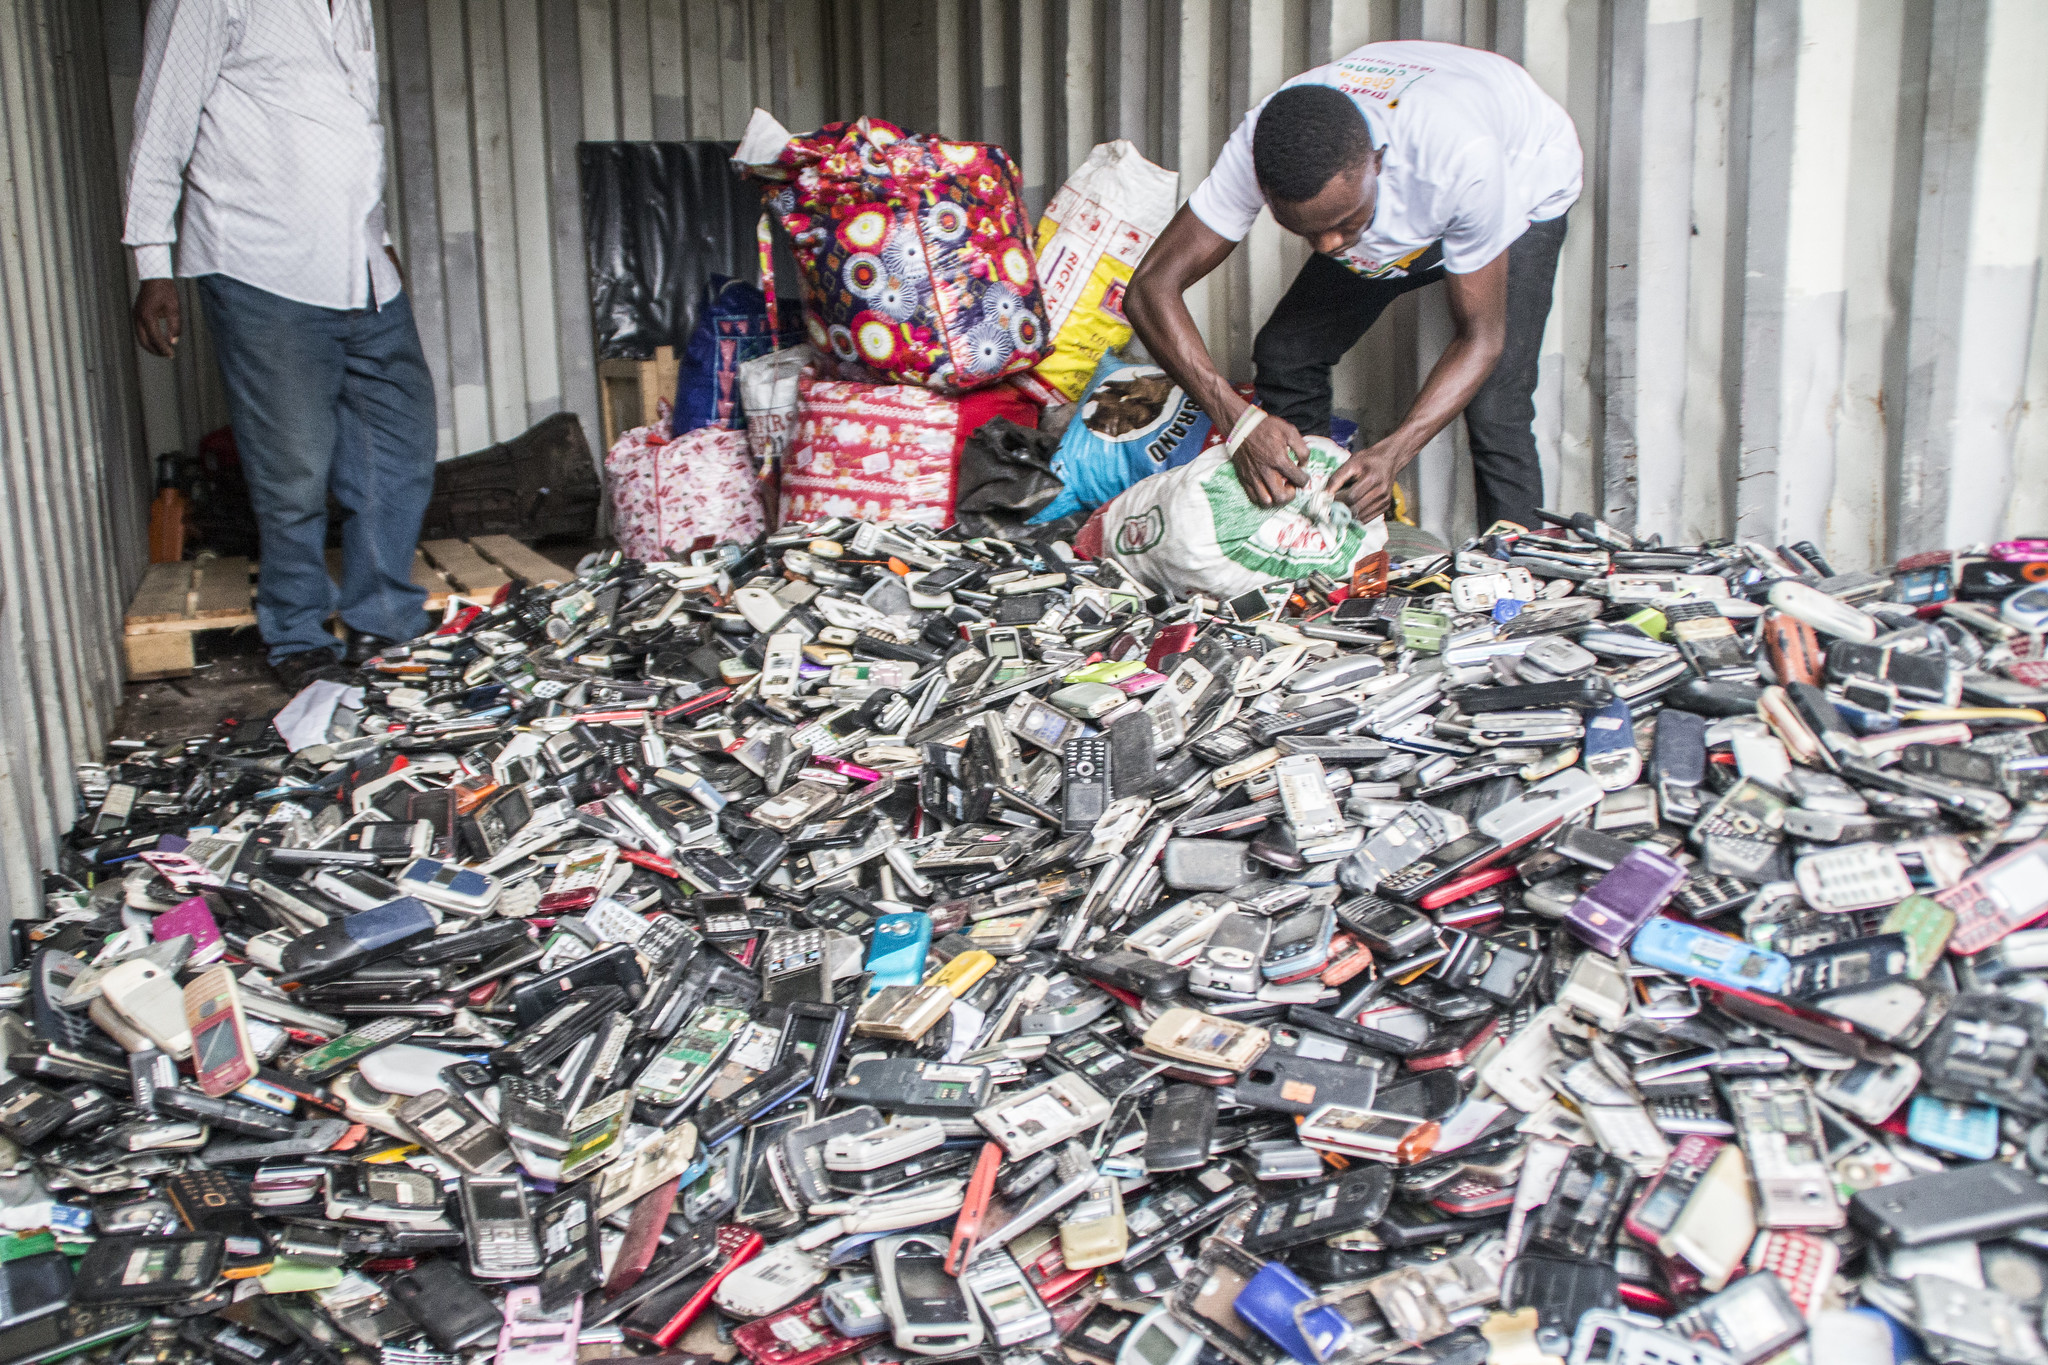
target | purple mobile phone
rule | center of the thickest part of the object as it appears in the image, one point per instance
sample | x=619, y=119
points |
x=1617, y=905
x=194, y=917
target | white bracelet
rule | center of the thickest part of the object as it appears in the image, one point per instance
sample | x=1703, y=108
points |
x=1247, y=422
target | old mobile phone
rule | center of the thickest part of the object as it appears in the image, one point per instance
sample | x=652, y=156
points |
x=580, y=878
x=449, y=885
x=498, y=1223
x=1044, y=1116
x=208, y=1201
x=1305, y=796
x=453, y=1128
x=1000, y=1289
x=452, y=1312
x=814, y=1033
x=1665, y=1196
x=340, y=947
x=1084, y=783
x=928, y=1313
x=136, y=1270
x=1972, y=1203
x=913, y=1085
x=1228, y=964
x=1180, y=1128
x=897, y=951
x=1780, y=1129
x=680, y=1071
x=222, y=1057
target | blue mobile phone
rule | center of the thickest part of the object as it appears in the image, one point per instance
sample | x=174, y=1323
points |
x=897, y=951
x=1689, y=951
x=1268, y=1302
x=1968, y=1130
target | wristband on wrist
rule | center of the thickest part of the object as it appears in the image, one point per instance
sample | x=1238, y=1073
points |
x=1247, y=422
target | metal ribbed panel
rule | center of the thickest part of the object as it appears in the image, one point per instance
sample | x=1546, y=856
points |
x=1802, y=296
x=1798, y=300
x=73, y=484
x=484, y=103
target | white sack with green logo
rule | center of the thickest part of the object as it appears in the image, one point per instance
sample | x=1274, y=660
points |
x=1193, y=530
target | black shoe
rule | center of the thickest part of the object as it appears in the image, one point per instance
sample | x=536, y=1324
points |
x=294, y=671
x=363, y=647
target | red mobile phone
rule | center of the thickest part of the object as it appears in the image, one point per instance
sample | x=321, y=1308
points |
x=222, y=1057
x=799, y=1335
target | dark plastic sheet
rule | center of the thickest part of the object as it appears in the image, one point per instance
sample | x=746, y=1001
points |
x=659, y=220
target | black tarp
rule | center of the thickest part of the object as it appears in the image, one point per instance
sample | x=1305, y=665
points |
x=659, y=219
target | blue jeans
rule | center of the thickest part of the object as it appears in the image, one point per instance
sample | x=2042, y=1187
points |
x=328, y=400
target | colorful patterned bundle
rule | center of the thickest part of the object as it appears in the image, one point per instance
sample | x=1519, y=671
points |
x=915, y=251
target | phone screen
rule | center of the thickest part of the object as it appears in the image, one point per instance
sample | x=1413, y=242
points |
x=929, y=1294
x=493, y=1203
x=215, y=1045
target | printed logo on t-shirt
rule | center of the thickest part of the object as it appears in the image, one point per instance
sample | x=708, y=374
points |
x=1375, y=79
x=1378, y=270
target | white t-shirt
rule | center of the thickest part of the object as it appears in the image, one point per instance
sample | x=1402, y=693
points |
x=1474, y=153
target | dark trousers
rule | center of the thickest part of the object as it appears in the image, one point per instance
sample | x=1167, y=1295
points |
x=1328, y=308
x=328, y=400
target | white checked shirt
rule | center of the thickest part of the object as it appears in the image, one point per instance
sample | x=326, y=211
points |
x=262, y=116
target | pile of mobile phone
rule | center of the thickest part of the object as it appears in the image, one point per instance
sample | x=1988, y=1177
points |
x=884, y=941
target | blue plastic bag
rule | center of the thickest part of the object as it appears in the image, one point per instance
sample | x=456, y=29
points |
x=1134, y=422
x=732, y=326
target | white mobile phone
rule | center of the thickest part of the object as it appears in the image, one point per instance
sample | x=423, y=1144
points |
x=781, y=657
x=1044, y=1116
x=449, y=885
x=147, y=997
x=1305, y=797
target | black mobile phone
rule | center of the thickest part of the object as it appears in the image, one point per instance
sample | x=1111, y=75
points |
x=813, y=1033
x=1084, y=784
x=1287, y=1083
x=1181, y=1127
x=912, y=1085
x=1320, y=1209
x=1129, y=971
x=568, y=1228
x=770, y=1090
x=451, y=1310
x=145, y=1269
x=1970, y=1203
x=551, y=1037
x=617, y=966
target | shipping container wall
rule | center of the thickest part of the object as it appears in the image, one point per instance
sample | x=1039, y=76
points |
x=484, y=102
x=1800, y=297
x=1797, y=300
x=73, y=479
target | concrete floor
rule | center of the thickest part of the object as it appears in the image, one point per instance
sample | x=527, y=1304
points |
x=232, y=680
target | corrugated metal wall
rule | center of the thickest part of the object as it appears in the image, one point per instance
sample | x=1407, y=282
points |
x=484, y=103
x=1798, y=299
x=73, y=482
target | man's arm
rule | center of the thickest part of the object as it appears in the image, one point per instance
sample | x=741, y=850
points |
x=1479, y=309
x=183, y=46
x=1267, y=461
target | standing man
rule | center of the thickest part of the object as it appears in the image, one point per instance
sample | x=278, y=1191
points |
x=1401, y=164
x=262, y=116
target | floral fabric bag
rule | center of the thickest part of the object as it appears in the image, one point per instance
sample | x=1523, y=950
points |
x=915, y=251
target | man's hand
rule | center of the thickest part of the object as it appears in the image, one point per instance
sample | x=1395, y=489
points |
x=1366, y=482
x=157, y=324
x=1269, y=463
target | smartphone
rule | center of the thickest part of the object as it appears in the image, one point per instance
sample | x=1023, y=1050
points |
x=222, y=1057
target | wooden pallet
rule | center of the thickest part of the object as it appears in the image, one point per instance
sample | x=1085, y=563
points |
x=178, y=601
